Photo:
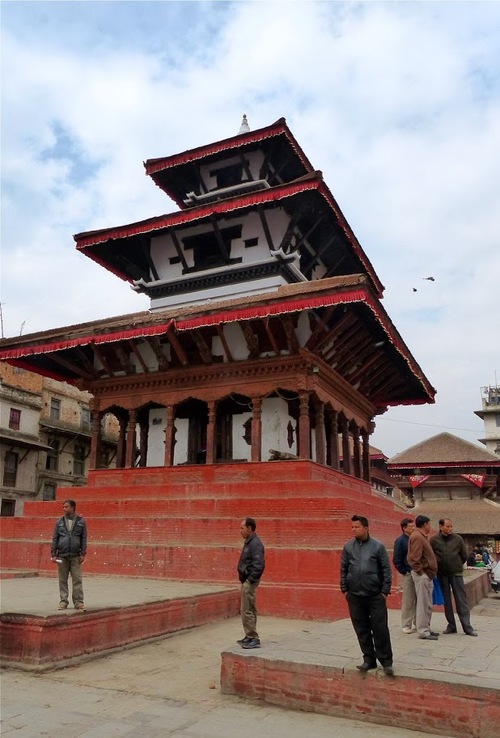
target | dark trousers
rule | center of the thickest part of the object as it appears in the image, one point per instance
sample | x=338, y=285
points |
x=456, y=585
x=369, y=620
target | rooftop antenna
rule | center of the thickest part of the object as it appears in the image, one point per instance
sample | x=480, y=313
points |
x=22, y=327
x=1, y=320
x=244, y=128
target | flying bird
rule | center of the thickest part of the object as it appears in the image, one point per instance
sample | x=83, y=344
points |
x=430, y=279
x=414, y=289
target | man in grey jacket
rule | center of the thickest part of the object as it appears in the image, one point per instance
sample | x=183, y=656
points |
x=365, y=579
x=250, y=569
x=451, y=555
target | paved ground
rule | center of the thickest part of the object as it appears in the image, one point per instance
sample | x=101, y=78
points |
x=170, y=688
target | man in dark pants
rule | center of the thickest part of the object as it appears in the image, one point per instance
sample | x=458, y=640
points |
x=365, y=579
x=250, y=569
x=69, y=547
x=451, y=555
x=409, y=599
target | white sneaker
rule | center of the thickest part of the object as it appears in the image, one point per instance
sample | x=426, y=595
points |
x=409, y=630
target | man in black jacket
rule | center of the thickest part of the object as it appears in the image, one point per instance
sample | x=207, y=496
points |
x=365, y=579
x=451, y=555
x=250, y=569
x=69, y=547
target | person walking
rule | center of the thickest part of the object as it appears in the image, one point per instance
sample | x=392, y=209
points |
x=365, y=580
x=423, y=563
x=250, y=570
x=451, y=555
x=69, y=548
x=409, y=598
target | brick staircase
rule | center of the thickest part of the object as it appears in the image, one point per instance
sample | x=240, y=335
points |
x=182, y=523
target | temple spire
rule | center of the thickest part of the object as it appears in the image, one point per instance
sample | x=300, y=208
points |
x=244, y=128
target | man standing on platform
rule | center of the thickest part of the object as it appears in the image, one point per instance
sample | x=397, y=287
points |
x=451, y=556
x=365, y=579
x=69, y=547
x=250, y=569
x=409, y=599
x=423, y=562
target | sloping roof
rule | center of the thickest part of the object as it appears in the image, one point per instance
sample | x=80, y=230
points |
x=442, y=450
x=350, y=291
x=470, y=517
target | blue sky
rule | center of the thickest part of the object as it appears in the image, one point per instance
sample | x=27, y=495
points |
x=397, y=103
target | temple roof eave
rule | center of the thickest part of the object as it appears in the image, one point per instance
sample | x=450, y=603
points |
x=106, y=246
x=408, y=384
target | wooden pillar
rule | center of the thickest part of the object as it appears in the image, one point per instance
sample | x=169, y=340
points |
x=320, y=433
x=95, y=441
x=211, y=435
x=256, y=429
x=334, y=440
x=130, y=446
x=356, y=452
x=366, y=455
x=143, y=442
x=304, y=427
x=346, y=451
x=169, y=436
x=120, y=450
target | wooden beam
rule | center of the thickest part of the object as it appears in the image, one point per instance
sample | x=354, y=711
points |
x=176, y=345
x=251, y=339
x=220, y=241
x=244, y=164
x=145, y=243
x=314, y=339
x=178, y=248
x=265, y=226
x=124, y=359
x=271, y=337
x=308, y=233
x=139, y=357
x=89, y=366
x=225, y=346
x=292, y=224
x=291, y=338
x=75, y=368
x=99, y=354
x=155, y=344
x=202, y=346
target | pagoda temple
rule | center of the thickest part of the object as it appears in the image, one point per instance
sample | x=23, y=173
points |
x=266, y=346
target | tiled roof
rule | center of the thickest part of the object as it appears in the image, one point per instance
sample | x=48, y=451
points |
x=442, y=449
x=470, y=517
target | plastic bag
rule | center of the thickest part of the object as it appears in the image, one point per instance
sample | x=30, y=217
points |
x=437, y=593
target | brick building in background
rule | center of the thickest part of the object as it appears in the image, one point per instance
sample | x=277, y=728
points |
x=45, y=434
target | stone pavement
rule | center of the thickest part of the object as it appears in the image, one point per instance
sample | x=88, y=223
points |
x=169, y=688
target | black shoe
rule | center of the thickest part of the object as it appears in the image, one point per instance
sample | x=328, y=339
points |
x=433, y=633
x=388, y=671
x=244, y=640
x=449, y=629
x=430, y=637
x=366, y=666
x=471, y=632
x=252, y=643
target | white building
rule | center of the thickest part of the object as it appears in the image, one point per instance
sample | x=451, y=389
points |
x=490, y=415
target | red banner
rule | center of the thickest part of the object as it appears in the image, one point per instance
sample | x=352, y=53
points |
x=477, y=479
x=418, y=480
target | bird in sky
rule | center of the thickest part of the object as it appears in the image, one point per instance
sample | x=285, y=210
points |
x=414, y=289
x=429, y=279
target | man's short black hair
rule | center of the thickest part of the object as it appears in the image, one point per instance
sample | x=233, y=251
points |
x=421, y=520
x=250, y=523
x=405, y=522
x=70, y=502
x=361, y=519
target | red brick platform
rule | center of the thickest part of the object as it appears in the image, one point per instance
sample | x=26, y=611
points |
x=450, y=687
x=35, y=636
